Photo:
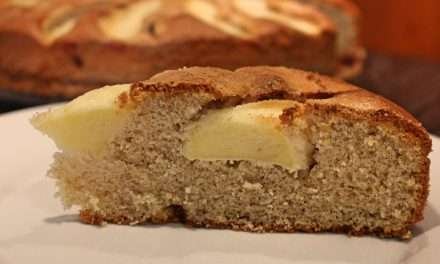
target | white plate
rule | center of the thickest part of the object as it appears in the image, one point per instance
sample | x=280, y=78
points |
x=34, y=228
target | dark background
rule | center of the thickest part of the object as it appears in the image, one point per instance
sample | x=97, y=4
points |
x=402, y=27
x=403, y=40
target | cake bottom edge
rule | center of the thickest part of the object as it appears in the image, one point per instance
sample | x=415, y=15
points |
x=176, y=214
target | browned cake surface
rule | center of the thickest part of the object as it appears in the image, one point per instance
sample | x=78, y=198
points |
x=370, y=175
x=46, y=46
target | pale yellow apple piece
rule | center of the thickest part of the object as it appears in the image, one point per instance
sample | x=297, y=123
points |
x=251, y=132
x=59, y=23
x=209, y=13
x=126, y=23
x=260, y=9
x=87, y=123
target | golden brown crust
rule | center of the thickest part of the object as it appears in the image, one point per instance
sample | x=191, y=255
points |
x=321, y=94
x=87, y=55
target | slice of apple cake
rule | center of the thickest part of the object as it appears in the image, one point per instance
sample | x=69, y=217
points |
x=256, y=149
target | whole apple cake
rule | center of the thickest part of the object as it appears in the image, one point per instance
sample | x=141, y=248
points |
x=62, y=48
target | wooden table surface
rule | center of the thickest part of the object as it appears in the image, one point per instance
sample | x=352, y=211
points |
x=413, y=84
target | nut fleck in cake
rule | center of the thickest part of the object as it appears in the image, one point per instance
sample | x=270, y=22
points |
x=62, y=48
x=256, y=149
